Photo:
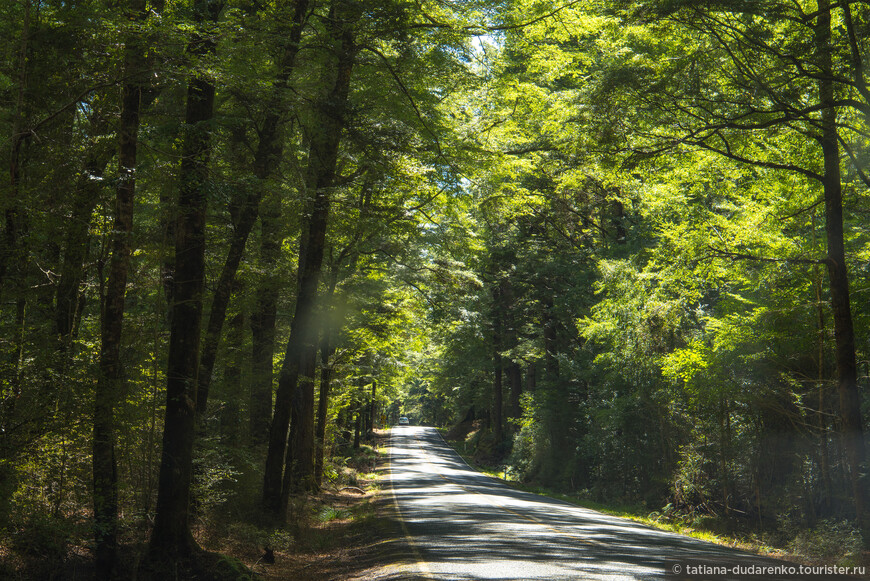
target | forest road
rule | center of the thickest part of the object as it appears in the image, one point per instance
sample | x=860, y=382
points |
x=461, y=524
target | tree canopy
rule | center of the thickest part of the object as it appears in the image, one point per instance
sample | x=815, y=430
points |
x=618, y=247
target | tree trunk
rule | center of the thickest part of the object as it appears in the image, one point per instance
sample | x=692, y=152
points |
x=497, y=388
x=11, y=252
x=77, y=239
x=497, y=399
x=294, y=399
x=531, y=380
x=9, y=257
x=356, y=430
x=266, y=159
x=171, y=538
x=105, y=473
x=263, y=319
x=515, y=375
x=373, y=409
x=230, y=416
x=551, y=363
x=327, y=350
x=824, y=462
x=263, y=324
x=844, y=335
x=221, y=299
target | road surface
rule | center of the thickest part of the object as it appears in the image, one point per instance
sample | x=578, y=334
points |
x=461, y=524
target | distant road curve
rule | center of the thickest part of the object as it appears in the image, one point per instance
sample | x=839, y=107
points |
x=461, y=524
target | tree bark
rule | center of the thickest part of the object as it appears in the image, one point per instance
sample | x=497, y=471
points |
x=497, y=387
x=77, y=240
x=497, y=399
x=263, y=324
x=356, y=429
x=171, y=538
x=109, y=380
x=844, y=335
x=531, y=379
x=230, y=413
x=515, y=375
x=9, y=257
x=294, y=399
x=374, y=409
x=266, y=159
x=327, y=350
x=221, y=299
x=551, y=363
x=824, y=463
x=13, y=265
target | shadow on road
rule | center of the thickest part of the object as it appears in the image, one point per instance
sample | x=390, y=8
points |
x=462, y=524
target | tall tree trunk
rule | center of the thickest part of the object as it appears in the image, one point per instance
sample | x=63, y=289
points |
x=230, y=413
x=824, y=462
x=169, y=221
x=356, y=429
x=76, y=245
x=553, y=396
x=327, y=350
x=12, y=261
x=498, y=365
x=497, y=399
x=266, y=159
x=551, y=363
x=263, y=323
x=294, y=399
x=221, y=299
x=373, y=408
x=515, y=374
x=105, y=477
x=844, y=335
x=531, y=379
x=9, y=257
x=171, y=538
x=77, y=240
x=367, y=416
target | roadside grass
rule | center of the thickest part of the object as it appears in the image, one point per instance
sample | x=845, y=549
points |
x=830, y=542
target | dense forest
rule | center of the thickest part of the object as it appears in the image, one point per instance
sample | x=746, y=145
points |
x=621, y=246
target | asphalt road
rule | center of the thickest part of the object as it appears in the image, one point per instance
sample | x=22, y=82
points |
x=461, y=524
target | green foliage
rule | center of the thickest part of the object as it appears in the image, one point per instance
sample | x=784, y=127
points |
x=615, y=205
x=692, y=487
x=831, y=540
x=42, y=537
x=530, y=447
x=215, y=475
x=329, y=513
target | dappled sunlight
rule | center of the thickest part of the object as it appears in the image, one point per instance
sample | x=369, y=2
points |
x=465, y=525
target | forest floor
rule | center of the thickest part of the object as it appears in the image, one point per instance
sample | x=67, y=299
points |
x=345, y=532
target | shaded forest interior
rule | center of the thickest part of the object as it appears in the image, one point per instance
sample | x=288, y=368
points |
x=619, y=247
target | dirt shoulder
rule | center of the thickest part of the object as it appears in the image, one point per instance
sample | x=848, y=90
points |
x=349, y=533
